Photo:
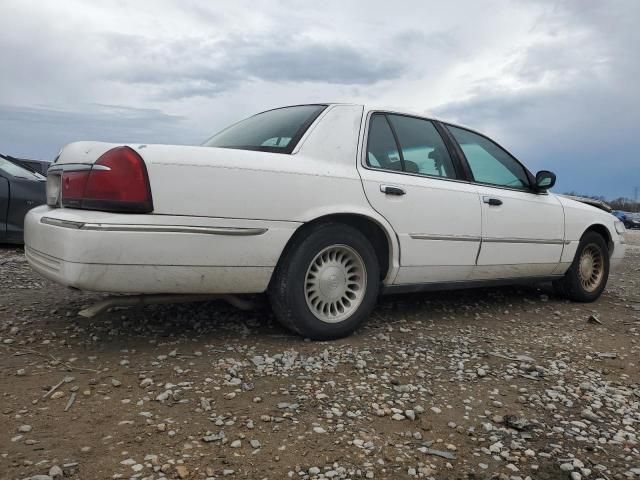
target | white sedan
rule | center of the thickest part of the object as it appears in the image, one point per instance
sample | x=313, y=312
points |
x=321, y=206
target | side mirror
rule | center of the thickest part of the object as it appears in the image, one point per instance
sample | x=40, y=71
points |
x=545, y=180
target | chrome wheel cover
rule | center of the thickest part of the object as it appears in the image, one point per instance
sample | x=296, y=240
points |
x=591, y=268
x=335, y=283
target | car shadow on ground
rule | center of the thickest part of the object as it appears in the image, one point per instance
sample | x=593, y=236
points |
x=216, y=320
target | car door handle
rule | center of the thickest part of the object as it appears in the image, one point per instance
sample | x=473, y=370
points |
x=392, y=190
x=492, y=201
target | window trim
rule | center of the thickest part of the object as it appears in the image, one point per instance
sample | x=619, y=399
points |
x=295, y=139
x=459, y=171
x=395, y=139
x=528, y=188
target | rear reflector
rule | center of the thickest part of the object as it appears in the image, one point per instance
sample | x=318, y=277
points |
x=117, y=182
x=73, y=184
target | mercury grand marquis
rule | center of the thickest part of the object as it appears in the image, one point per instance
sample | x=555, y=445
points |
x=323, y=207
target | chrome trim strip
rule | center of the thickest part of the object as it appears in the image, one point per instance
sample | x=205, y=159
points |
x=104, y=227
x=450, y=238
x=524, y=240
x=69, y=167
x=471, y=238
x=110, y=227
x=61, y=223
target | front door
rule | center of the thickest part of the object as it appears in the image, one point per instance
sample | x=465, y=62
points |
x=410, y=178
x=522, y=231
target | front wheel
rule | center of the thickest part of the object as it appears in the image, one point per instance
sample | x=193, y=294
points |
x=327, y=283
x=587, y=277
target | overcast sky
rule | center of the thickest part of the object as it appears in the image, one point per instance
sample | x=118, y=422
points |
x=556, y=82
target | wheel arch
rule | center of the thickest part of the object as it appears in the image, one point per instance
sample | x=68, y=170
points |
x=604, y=232
x=383, y=238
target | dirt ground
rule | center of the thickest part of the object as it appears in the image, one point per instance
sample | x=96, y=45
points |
x=509, y=383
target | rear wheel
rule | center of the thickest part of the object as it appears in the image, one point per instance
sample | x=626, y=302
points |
x=327, y=283
x=587, y=277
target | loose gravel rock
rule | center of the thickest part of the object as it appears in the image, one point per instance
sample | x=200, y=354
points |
x=512, y=383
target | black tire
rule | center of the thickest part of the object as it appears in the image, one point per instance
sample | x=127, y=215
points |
x=287, y=288
x=571, y=285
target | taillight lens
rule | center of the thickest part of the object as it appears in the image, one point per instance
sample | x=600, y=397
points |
x=73, y=184
x=117, y=182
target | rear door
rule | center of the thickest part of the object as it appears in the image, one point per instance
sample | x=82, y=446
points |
x=523, y=231
x=412, y=178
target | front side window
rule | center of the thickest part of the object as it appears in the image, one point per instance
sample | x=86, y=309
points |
x=416, y=147
x=490, y=163
x=272, y=131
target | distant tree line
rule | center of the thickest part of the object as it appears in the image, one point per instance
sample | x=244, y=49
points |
x=621, y=203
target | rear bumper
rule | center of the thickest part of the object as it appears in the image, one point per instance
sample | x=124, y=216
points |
x=126, y=253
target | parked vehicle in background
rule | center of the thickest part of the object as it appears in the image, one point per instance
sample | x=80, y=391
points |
x=321, y=206
x=20, y=191
x=633, y=220
x=38, y=166
x=622, y=216
x=630, y=220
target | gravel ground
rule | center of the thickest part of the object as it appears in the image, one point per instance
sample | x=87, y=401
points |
x=508, y=383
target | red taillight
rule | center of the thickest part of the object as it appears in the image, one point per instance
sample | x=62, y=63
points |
x=117, y=182
x=73, y=184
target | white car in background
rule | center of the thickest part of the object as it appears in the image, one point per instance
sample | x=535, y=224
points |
x=323, y=207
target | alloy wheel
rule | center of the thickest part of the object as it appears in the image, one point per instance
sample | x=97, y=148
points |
x=591, y=268
x=335, y=283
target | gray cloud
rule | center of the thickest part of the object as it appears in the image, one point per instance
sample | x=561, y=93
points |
x=337, y=64
x=203, y=62
x=583, y=121
x=199, y=66
x=570, y=132
x=553, y=81
x=39, y=132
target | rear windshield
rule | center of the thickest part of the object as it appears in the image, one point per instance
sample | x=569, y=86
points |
x=272, y=131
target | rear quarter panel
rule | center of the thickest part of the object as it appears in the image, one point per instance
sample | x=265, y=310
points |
x=319, y=178
x=215, y=182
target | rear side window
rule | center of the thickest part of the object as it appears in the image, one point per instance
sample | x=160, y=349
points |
x=489, y=162
x=382, y=151
x=409, y=144
x=276, y=130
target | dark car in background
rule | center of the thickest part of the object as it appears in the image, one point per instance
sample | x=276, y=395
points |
x=633, y=221
x=20, y=190
x=630, y=220
x=38, y=166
